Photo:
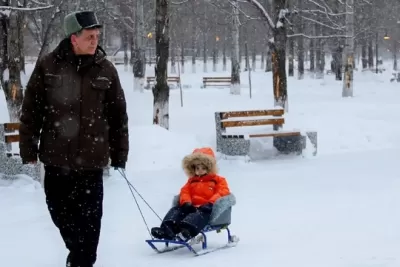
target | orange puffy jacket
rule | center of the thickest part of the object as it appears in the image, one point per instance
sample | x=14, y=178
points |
x=205, y=189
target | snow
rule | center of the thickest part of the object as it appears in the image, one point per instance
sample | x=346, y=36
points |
x=338, y=209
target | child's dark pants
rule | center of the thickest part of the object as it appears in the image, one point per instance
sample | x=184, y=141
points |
x=177, y=219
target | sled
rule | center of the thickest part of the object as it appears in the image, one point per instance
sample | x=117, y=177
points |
x=220, y=220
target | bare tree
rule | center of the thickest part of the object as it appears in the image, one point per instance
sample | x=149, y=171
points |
x=348, y=74
x=12, y=54
x=139, y=56
x=235, y=71
x=161, y=88
x=278, y=46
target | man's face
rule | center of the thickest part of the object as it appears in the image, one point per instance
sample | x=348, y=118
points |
x=85, y=43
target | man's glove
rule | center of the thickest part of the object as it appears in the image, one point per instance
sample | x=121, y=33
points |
x=118, y=165
x=206, y=208
x=187, y=207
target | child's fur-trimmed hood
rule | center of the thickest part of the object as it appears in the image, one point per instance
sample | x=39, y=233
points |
x=204, y=156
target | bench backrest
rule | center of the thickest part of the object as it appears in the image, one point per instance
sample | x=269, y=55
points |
x=169, y=79
x=224, y=120
x=217, y=79
x=8, y=134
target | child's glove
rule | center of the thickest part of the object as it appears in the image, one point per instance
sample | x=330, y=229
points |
x=187, y=207
x=206, y=208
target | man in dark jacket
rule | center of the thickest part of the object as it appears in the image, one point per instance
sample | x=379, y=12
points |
x=75, y=106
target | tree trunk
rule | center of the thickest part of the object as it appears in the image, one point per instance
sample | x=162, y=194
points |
x=312, y=57
x=125, y=45
x=262, y=59
x=235, y=71
x=194, y=41
x=48, y=34
x=279, y=57
x=364, y=59
x=183, y=58
x=395, y=54
x=215, y=56
x=300, y=43
x=139, y=65
x=12, y=68
x=370, y=54
x=253, y=58
x=291, y=57
x=338, y=63
x=268, y=66
x=224, y=56
x=348, y=74
x=318, y=53
x=173, y=58
x=204, y=52
x=161, y=88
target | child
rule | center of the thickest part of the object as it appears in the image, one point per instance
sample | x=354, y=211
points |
x=196, y=198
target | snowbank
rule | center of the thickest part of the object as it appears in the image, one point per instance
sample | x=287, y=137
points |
x=21, y=181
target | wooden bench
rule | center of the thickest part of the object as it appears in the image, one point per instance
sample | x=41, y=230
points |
x=151, y=80
x=216, y=81
x=395, y=77
x=238, y=144
x=10, y=161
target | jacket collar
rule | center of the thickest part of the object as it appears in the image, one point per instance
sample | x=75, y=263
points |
x=64, y=52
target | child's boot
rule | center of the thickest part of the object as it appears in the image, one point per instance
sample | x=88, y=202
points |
x=161, y=233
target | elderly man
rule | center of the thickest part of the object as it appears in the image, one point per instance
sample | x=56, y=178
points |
x=75, y=106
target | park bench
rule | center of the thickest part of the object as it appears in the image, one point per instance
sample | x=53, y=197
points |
x=10, y=161
x=238, y=144
x=151, y=80
x=395, y=77
x=216, y=81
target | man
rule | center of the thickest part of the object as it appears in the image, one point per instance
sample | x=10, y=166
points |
x=75, y=106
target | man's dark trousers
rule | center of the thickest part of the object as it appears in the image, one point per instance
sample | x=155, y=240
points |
x=75, y=202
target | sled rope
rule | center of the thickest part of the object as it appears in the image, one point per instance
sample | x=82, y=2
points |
x=131, y=188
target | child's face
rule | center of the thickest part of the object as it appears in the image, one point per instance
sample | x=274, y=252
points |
x=200, y=169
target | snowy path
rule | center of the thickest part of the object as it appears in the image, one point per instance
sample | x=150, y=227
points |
x=295, y=212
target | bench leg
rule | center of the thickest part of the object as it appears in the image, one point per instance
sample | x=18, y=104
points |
x=235, y=146
x=312, y=136
x=290, y=144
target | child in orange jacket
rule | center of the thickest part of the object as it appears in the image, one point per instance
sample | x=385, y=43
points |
x=196, y=198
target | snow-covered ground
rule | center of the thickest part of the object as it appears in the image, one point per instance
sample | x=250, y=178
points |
x=338, y=209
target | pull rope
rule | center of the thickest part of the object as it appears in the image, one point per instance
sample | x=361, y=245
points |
x=132, y=188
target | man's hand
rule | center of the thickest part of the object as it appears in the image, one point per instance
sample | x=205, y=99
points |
x=118, y=165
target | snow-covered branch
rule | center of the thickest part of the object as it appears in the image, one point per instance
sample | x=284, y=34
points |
x=263, y=12
x=38, y=3
x=127, y=21
x=336, y=27
x=317, y=37
x=179, y=3
x=11, y=8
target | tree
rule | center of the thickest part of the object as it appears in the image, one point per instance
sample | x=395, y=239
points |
x=139, y=56
x=235, y=71
x=161, y=88
x=12, y=62
x=278, y=47
x=348, y=73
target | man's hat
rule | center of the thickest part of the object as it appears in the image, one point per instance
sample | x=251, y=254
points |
x=79, y=20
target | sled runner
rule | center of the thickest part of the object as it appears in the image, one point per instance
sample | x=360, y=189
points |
x=220, y=220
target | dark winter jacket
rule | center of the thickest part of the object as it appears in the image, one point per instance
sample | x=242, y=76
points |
x=76, y=107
